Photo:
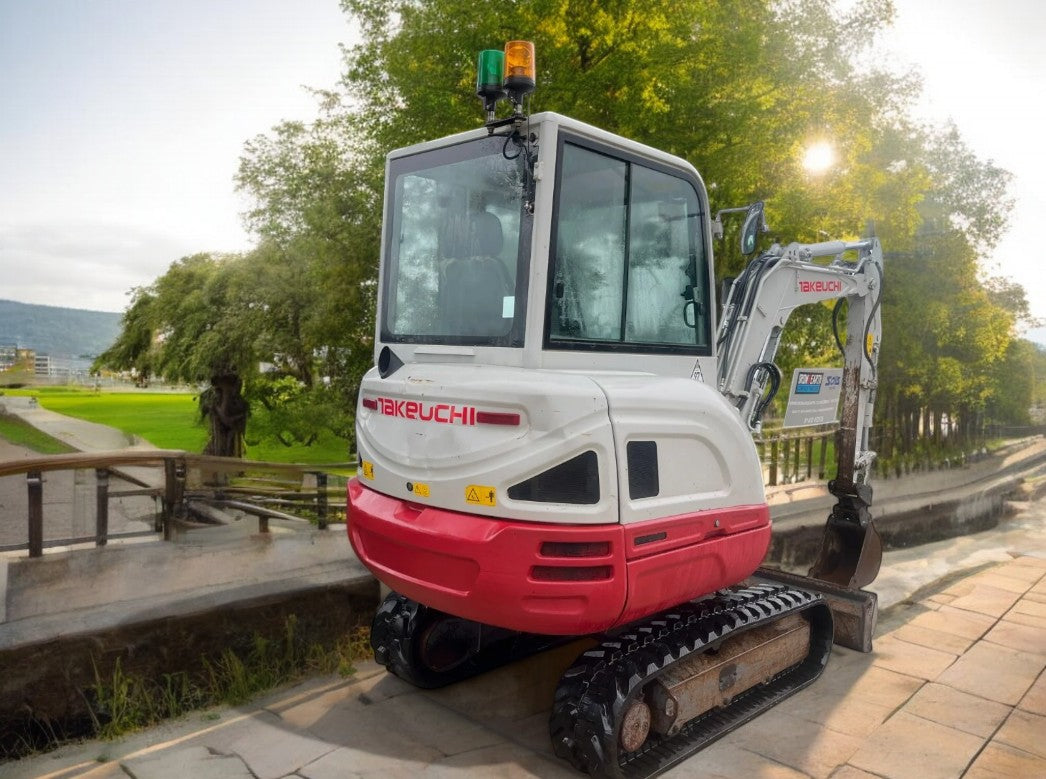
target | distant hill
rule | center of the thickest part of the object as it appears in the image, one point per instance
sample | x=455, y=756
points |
x=59, y=332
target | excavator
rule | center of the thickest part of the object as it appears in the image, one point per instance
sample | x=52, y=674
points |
x=556, y=440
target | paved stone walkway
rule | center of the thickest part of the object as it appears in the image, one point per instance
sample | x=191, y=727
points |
x=954, y=688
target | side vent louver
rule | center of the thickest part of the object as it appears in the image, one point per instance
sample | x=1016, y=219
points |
x=642, y=469
x=575, y=481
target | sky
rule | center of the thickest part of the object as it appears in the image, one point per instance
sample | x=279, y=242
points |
x=983, y=66
x=122, y=123
x=121, y=127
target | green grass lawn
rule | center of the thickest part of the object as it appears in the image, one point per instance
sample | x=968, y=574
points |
x=171, y=420
x=15, y=431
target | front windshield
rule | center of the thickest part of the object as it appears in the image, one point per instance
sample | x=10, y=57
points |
x=455, y=264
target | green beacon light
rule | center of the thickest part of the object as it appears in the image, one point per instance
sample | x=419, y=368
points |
x=490, y=71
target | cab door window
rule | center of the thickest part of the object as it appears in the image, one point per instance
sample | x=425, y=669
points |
x=628, y=269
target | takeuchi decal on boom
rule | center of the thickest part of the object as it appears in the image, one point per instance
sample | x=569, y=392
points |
x=832, y=285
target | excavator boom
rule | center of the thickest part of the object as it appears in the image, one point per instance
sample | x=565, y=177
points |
x=756, y=311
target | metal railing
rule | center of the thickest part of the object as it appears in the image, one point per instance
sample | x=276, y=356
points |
x=789, y=458
x=175, y=494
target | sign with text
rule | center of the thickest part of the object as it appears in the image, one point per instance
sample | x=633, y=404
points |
x=814, y=399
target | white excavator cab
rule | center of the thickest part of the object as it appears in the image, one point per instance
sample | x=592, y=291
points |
x=571, y=247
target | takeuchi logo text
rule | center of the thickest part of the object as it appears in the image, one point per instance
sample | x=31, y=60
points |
x=833, y=285
x=443, y=413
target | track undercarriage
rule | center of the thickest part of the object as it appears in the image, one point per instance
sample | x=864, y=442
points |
x=647, y=696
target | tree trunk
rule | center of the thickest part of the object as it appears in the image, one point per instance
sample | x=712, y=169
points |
x=226, y=409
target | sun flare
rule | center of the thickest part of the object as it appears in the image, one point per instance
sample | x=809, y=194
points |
x=819, y=157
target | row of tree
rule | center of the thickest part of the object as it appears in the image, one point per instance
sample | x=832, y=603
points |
x=738, y=87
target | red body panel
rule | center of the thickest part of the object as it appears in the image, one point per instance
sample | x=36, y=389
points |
x=502, y=572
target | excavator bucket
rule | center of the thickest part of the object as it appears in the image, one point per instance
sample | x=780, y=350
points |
x=851, y=549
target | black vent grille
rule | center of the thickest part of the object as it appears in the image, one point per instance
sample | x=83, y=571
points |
x=574, y=481
x=642, y=469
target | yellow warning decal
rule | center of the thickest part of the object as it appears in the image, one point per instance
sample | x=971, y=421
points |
x=480, y=495
x=419, y=489
x=368, y=470
x=869, y=342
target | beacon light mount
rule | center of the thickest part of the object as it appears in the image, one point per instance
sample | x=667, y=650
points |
x=511, y=74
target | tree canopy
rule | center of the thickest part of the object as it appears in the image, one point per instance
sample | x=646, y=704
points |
x=738, y=87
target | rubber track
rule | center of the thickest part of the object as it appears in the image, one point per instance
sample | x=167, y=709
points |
x=595, y=692
x=399, y=624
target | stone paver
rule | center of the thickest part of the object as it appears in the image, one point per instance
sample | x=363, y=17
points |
x=994, y=672
x=1031, y=608
x=269, y=748
x=959, y=623
x=853, y=701
x=934, y=639
x=1012, y=634
x=922, y=662
x=811, y=748
x=1021, y=618
x=1002, y=579
x=851, y=772
x=988, y=600
x=1035, y=699
x=956, y=709
x=909, y=746
x=197, y=762
x=1024, y=731
x=998, y=760
x=726, y=760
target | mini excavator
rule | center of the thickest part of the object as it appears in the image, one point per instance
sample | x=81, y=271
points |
x=556, y=439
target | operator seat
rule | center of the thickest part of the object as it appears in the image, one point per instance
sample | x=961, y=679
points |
x=474, y=287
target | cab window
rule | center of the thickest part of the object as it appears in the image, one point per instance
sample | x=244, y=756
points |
x=628, y=269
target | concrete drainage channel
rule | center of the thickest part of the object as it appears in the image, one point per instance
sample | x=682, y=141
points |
x=70, y=617
x=918, y=509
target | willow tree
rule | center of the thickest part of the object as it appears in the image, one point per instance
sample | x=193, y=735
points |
x=190, y=325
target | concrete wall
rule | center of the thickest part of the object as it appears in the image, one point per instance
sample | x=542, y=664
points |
x=118, y=576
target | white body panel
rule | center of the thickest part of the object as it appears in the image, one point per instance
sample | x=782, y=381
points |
x=560, y=417
x=705, y=455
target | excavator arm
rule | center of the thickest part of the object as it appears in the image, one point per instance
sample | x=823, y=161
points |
x=757, y=308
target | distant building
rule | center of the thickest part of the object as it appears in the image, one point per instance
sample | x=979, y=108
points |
x=8, y=356
x=46, y=365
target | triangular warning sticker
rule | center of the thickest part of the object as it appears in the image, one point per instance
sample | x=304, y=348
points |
x=481, y=495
